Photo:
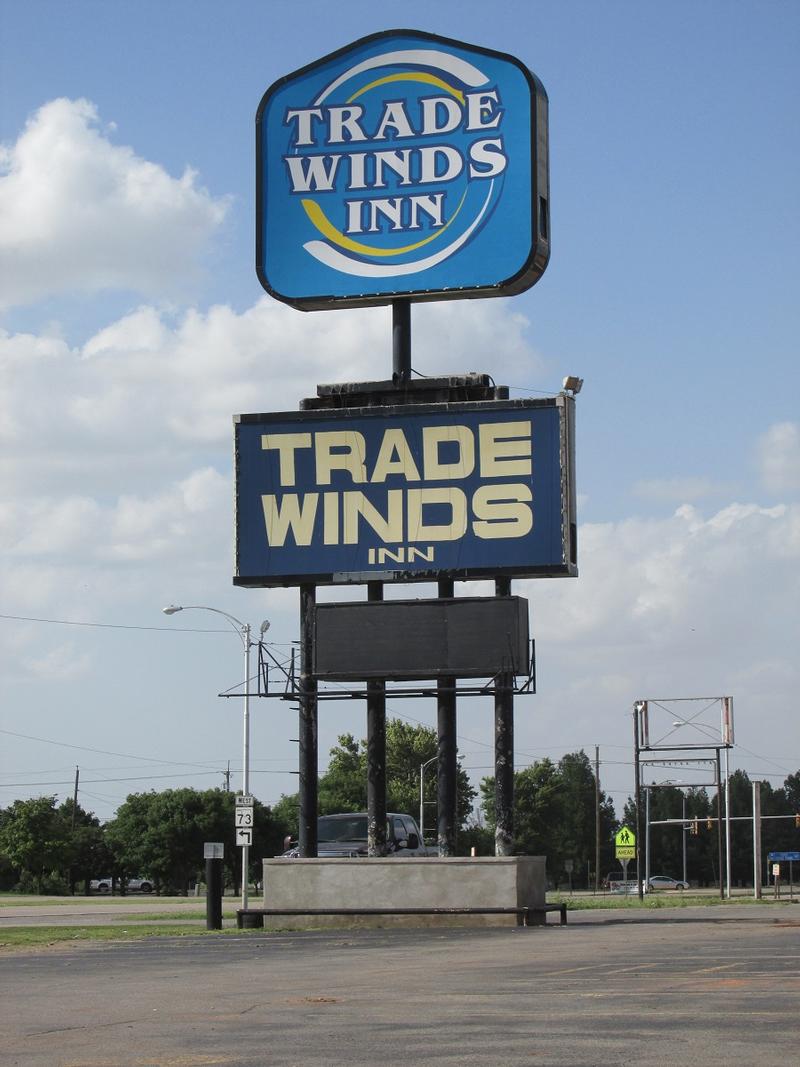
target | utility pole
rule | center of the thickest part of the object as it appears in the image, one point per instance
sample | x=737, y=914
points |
x=227, y=776
x=72, y=824
x=75, y=796
x=596, y=818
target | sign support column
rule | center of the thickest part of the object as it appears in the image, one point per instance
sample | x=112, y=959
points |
x=376, y=754
x=447, y=752
x=307, y=830
x=504, y=752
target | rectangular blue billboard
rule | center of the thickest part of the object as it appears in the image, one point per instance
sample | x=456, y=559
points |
x=411, y=493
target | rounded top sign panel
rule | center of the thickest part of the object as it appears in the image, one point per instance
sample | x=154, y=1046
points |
x=404, y=165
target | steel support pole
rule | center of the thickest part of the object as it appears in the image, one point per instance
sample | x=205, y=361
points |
x=246, y=756
x=647, y=836
x=638, y=799
x=307, y=829
x=401, y=341
x=683, y=831
x=447, y=752
x=597, y=818
x=727, y=824
x=376, y=753
x=757, y=877
x=422, y=802
x=504, y=751
x=719, y=827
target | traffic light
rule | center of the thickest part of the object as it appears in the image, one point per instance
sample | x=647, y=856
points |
x=695, y=827
x=709, y=823
x=797, y=821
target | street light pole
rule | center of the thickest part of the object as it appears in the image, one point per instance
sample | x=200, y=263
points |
x=246, y=756
x=422, y=767
x=243, y=629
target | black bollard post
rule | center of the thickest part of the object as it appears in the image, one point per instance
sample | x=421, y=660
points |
x=213, y=853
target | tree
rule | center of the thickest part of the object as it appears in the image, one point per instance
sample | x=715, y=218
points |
x=89, y=855
x=554, y=813
x=343, y=787
x=35, y=838
x=161, y=835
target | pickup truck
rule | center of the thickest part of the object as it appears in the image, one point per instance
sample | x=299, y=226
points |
x=345, y=836
x=133, y=885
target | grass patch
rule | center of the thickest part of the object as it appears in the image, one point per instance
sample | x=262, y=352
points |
x=45, y=936
x=651, y=902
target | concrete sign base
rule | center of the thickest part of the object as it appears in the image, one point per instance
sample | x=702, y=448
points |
x=452, y=882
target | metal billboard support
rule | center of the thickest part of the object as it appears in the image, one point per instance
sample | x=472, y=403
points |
x=308, y=788
x=504, y=752
x=376, y=754
x=401, y=341
x=447, y=751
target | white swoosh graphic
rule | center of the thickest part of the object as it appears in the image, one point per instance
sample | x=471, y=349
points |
x=333, y=258
x=459, y=68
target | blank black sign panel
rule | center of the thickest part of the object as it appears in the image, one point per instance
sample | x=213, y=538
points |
x=465, y=637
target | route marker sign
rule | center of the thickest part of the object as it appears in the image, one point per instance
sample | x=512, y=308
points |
x=244, y=820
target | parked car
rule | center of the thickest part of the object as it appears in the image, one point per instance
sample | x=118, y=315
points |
x=133, y=885
x=345, y=836
x=663, y=881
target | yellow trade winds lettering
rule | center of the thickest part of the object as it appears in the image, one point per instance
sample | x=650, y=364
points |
x=494, y=510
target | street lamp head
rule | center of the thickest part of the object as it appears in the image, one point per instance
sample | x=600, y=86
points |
x=171, y=609
x=572, y=384
x=264, y=627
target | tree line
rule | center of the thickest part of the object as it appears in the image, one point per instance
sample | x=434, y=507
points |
x=780, y=827
x=47, y=847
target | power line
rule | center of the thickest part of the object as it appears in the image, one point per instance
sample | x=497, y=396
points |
x=137, y=778
x=102, y=751
x=113, y=625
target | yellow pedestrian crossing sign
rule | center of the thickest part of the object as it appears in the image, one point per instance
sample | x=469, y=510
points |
x=625, y=844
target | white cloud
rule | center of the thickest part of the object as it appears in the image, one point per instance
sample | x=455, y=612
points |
x=779, y=457
x=116, y=497
x=115, y=472
x=80, y=214
x=61, y=663
x=653, y=582
x=678, y=490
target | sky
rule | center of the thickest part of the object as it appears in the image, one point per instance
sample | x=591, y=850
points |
x=133, y=327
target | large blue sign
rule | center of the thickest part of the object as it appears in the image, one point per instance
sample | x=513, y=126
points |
x=402, y=165
x=398, y=494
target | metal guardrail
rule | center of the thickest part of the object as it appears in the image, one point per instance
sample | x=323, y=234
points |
x=253, y=918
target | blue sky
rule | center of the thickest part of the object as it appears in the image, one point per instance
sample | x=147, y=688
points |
x=134, y=327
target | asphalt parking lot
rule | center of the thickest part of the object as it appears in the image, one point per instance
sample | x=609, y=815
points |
x=691, y=985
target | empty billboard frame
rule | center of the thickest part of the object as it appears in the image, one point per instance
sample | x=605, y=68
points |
x=406, y=493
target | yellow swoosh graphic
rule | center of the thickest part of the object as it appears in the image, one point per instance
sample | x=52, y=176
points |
x=431, y=79
x=328, y=230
